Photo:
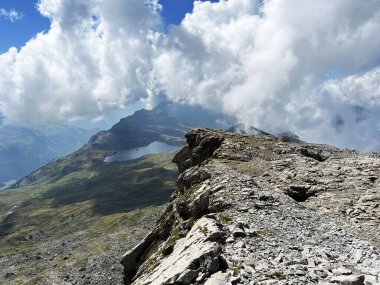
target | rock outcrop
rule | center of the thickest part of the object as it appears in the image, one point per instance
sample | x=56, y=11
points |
x=264, y=210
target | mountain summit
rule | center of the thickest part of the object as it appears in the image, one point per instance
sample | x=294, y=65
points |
x=264, y=210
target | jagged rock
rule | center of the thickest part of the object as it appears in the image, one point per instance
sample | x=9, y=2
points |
x=261, y=210
x=200, y=147
x=191, y=177
x=348, y=280
x=238, y=232
x=132, y=259
x=299, y=193
x=219, y=278
x=187, y=276
x=342, y=271
x=198, y=252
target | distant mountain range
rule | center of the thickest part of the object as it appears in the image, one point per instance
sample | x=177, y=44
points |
x=23, y=149
x=165, y=123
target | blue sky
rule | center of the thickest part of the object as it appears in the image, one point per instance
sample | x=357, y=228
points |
x=16, y=33
x=174, y=10
x=20, y=31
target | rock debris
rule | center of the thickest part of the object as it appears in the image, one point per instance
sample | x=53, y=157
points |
x=263, y=210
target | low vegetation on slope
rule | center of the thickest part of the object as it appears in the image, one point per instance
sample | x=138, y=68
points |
x=74, y=230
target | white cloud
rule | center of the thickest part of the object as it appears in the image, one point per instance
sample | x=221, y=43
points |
x=311, y=67
x=11, y=15
x=270, y=66
x=348, y=112
x=94, y=58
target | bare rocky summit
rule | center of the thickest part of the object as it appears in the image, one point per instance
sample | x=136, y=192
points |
x=263, y=210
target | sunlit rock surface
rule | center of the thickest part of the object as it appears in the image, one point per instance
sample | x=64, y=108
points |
x=264, y=210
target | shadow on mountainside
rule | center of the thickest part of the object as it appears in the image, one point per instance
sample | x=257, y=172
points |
x=7, y=224
x=105, y=189
x=118, y=194
x=135, y=189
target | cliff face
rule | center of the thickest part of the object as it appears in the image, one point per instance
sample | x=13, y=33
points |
x=261, y=210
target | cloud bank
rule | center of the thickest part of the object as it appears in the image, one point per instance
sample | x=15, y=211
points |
x=311, y=67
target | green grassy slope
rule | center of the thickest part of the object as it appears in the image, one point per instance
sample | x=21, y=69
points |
x=86, y=217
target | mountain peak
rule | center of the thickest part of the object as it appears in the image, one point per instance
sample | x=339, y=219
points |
x=259, y=209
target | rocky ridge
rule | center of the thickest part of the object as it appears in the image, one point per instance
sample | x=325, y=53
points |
x=264, y=210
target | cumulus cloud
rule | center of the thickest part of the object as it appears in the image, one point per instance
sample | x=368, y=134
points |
x=94, y=58
x=11, y=15
x=271, y=65
x=347, y=112
x=311, y=67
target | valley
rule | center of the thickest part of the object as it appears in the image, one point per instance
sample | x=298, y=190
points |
x=75, y=230
x=24, y=149
x=70, y=221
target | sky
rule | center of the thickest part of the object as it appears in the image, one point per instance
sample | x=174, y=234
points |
x=25, y=22
x=310, y=67
x=20, y=26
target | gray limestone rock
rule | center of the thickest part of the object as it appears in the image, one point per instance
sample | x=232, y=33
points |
x=348, y=279
x=187, y=276
x=261, y=210
x=219, y=278
x=191, y=254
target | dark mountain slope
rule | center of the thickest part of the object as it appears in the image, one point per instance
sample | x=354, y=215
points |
x=163, y=123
